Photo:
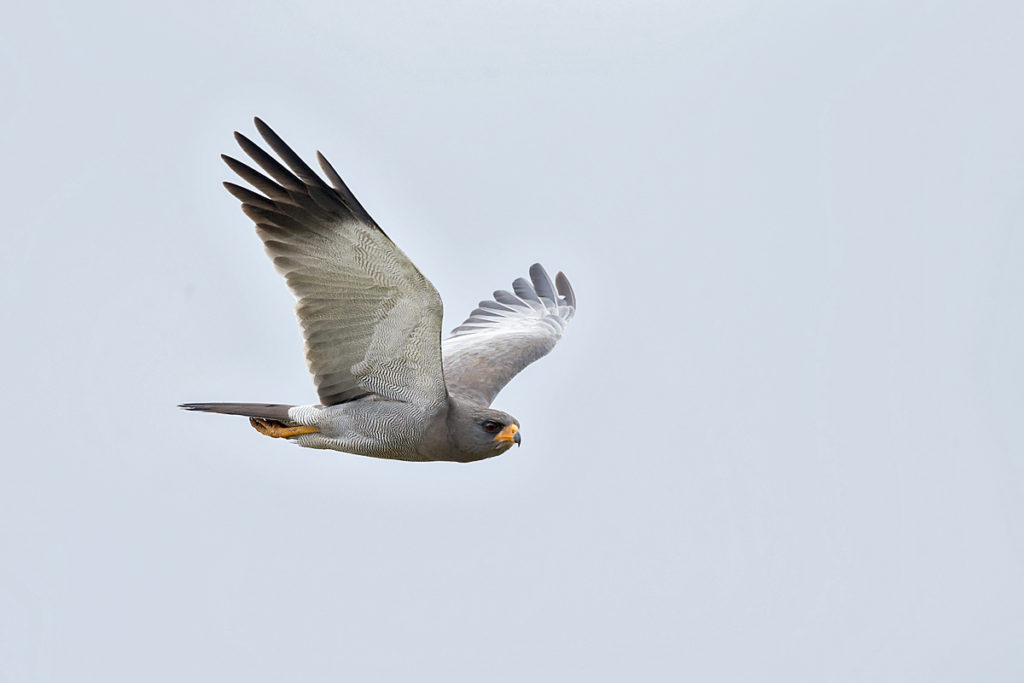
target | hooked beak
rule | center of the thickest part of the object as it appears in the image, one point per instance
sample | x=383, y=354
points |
x=510, y=434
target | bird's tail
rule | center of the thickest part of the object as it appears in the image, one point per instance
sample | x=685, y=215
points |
x=267, y=411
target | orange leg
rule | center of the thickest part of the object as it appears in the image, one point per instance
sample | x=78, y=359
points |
x=276, y=430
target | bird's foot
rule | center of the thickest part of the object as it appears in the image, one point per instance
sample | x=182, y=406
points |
x=277, y=430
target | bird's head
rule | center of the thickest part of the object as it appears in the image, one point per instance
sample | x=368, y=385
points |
x=483, y=433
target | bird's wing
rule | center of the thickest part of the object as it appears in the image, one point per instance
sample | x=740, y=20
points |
x=371, y=321
x=504, y=335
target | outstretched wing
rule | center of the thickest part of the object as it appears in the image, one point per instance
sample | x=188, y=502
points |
x=503, y=336
x=371, y=321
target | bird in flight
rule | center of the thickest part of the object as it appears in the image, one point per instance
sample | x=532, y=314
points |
x=388, y=386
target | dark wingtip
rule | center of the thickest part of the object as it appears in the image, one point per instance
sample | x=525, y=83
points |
x=234, y=189
x=245, y=142
x=542, y=283
x=525, y=291
x=565, y=289
x=264, y=130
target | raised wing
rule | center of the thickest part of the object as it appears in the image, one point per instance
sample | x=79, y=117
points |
x=371, y=321
x=503, y=336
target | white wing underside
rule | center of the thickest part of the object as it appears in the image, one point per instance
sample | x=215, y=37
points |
x=506, y=334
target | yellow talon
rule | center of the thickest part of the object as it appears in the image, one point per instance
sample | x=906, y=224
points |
x=276, y=430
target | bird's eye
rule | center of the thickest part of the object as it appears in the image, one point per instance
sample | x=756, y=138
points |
x=491, y=426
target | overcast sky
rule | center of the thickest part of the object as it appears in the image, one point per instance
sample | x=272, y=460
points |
x=781, y=440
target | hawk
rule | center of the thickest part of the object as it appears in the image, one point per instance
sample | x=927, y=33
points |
x=388, y=386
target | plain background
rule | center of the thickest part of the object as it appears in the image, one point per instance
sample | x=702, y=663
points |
x=781, y=441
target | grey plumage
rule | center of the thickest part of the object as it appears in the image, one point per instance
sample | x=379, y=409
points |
x=371, y=321
x=322, y=241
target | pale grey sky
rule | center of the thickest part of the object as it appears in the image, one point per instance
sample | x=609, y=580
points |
x=781, y=440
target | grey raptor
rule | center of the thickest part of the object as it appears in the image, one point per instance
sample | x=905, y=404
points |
x=388, y=386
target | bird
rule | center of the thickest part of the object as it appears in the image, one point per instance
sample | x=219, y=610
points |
x=388, y=386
